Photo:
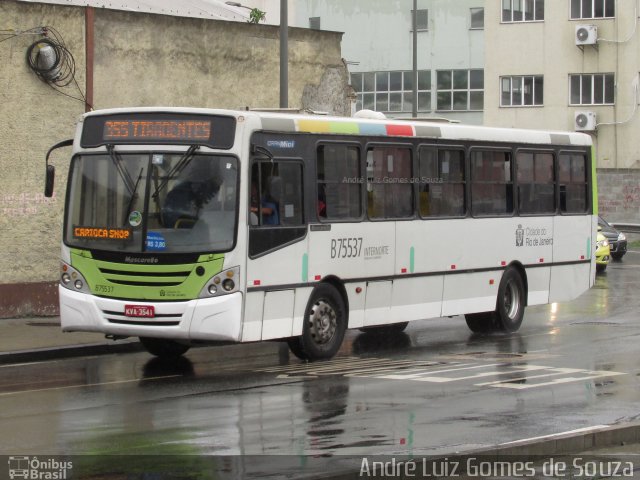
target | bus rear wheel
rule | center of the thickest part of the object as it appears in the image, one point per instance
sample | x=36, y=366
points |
x=163, y=348
x=325, y=322
x=511, y=301
x=509, y=311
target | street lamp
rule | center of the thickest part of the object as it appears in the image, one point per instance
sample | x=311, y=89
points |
x=284, y=50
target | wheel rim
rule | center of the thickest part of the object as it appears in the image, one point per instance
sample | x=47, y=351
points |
x=322, y=322
x=512, y=300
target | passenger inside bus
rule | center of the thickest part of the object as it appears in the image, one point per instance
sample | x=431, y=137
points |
x=265, y=210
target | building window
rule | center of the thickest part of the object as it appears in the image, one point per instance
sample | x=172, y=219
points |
x=521, y=91
x=522, y=10
x=592, y=89
x=592, y=9
x=477, y=18
x=314, y=23
x=422, y=20
x=460, y=90
x=391, y=91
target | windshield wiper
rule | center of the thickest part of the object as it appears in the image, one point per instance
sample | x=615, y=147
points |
x=182, y=163
x=124, y=174
x=134, y=195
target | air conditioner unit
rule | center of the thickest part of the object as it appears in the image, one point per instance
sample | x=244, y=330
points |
x=586, y=35
x=585, y=121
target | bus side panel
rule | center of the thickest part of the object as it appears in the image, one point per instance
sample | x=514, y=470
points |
x=572, y=242
x=538, y=282
x=416, y=298
x=470, y=292
x=252, y=318
x=418, y=251
x=277, y=318
x=378, y=303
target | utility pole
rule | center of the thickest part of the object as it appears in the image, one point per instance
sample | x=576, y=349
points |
x=414, y=110
x=284, y=55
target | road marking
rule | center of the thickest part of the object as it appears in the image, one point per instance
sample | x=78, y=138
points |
x=522, y=376
x=555, y=435
x=67, y=387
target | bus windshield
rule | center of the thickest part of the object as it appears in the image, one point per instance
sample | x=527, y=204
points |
x=152, y=202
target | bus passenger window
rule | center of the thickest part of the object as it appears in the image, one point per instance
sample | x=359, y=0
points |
x=536, y=191
x=572, y=171
x=491, y=183
x=339, y=182
x=441, y=185
x=389, y=183
x=275, y=206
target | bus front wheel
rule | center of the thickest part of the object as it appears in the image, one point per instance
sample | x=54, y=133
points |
x=163, y=348
x=325, y=322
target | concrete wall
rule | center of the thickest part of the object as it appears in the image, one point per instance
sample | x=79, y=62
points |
x=548, y=48
x=140, y=59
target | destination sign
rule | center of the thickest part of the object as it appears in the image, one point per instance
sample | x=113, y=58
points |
x=215, y=131
x=96, y=233
x=157, y=130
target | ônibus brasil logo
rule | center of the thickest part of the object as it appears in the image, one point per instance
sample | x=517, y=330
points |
x=33, y=468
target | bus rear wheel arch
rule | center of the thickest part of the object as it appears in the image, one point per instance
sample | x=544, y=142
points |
x=510, y=305
x=324, y=325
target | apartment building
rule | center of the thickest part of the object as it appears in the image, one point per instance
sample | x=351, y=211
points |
x=571, y=65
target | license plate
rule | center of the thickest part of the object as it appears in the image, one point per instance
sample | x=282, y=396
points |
x=146, y=311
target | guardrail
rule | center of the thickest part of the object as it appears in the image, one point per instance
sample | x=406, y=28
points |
x=627, y=227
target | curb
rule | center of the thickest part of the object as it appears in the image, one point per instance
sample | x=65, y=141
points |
x=69, y=351
x=600, y=436
x=585, y=441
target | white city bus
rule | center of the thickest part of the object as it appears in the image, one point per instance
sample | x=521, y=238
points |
x=186, y=225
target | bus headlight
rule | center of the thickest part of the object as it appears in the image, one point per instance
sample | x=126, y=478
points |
x=621, y=237
x=228, y=285
x=223, y=283
x=72, y=279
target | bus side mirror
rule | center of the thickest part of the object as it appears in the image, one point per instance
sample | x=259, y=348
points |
x=49, y=179
x=51, y=170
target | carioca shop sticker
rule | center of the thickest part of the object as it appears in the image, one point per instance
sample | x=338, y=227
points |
x=135, y=218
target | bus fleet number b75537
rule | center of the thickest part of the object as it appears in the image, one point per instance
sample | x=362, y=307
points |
x=346, y=247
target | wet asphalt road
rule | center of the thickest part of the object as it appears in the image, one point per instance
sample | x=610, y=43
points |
x=435, y=389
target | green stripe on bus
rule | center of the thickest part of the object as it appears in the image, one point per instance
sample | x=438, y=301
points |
x=349, y=128
x=412, y=258
x=305, y=268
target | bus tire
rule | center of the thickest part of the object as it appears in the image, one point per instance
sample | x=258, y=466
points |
x=325, y=322
x=480, y=322
x=163, y=348
x=511, y=302
x=385, y=329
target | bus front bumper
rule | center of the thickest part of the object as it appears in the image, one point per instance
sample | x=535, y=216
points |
x=200, y=319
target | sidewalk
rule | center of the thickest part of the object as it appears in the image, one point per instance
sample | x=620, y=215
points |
x=41, y=338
